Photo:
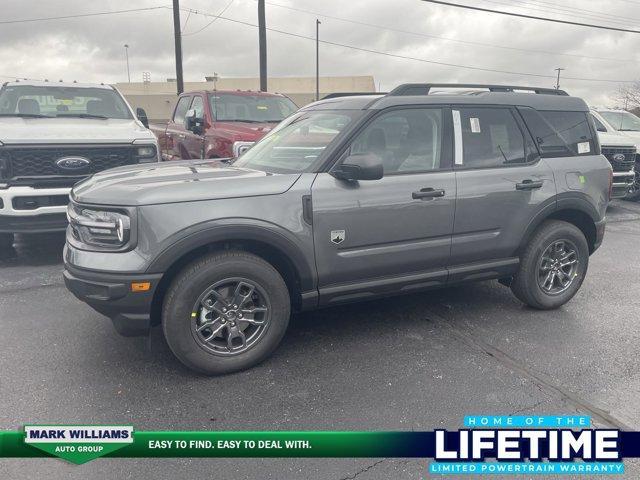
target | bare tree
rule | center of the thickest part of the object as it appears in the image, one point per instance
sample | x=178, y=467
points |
x=628, y=96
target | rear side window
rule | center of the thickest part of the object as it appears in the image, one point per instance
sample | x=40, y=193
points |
x=491, y=137
x=560, y=134
x=181, y=110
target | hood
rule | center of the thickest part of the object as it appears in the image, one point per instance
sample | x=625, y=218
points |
x=185, y=181
x=16, y=130
x=615, y=139
x=634, y=136
x=244, y=130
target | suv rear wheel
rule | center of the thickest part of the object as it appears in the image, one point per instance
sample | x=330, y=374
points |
x=225, y=312
x=552, y=266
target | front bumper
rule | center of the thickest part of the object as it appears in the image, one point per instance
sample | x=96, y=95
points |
x=622, y=181
x=111, y=295
x=33, y=210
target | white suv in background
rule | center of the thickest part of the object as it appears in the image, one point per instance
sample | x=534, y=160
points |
x=625, y=123
x=620, y=150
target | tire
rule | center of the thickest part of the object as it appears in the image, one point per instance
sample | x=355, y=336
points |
x=6, y=241
x=526, y=284
x=184, y=307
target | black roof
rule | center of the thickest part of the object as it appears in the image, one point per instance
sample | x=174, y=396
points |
x=471, y=94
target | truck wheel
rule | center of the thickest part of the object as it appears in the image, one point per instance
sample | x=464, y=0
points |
x=6, y=241
x=552, y=266
x=225, y=312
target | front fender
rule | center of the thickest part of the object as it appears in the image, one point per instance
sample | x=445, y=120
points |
x=238, y=229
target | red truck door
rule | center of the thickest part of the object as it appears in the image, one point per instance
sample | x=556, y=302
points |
x=176, y=133
x=193, y=141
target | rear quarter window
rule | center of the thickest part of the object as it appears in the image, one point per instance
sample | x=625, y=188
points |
x=561, y=133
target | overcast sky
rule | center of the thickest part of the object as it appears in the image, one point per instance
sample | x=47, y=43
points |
x=91, y=49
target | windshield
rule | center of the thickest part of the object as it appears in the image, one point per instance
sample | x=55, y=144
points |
x=250, y=108
x=296, y=144
x=55, y=101
x=625, y=121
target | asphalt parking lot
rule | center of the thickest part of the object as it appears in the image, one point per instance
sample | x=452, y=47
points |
x=409, y=363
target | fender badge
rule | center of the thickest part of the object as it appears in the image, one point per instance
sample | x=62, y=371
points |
x=337, y=236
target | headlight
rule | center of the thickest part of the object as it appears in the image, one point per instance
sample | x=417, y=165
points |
x=107, y=230
x=148, y=153
x=240, y=147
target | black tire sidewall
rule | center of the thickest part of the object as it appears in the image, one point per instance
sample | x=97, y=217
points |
x=192, y=282
x=554, y=232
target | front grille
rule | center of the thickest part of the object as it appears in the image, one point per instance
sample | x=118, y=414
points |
x=41, y=161
x=620, y=165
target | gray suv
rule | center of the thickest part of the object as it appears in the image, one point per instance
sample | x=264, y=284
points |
x=349, y=199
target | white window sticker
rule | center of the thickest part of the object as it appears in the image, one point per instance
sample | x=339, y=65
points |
x=584, y=147
x=475, y=124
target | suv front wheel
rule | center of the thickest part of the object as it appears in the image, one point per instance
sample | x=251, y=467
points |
x=552, y=266
x=225, y=312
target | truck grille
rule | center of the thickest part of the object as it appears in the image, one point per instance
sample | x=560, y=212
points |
x=620, y=164
x=41, y=161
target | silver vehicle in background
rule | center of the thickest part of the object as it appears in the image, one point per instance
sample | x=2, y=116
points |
x=628, y=124
x=53, y=135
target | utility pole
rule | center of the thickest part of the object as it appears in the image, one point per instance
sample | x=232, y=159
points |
x=317, y=59
x=262, y=45
x=558, y=80
x=126, y=52
x=178, y=40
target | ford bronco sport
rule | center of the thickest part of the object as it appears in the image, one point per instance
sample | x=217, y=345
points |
x=348, y=199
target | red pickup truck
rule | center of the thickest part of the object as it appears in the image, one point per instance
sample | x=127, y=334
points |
x=219, y=124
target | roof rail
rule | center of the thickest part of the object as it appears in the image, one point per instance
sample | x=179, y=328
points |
x=425, y=88
x=350, y=94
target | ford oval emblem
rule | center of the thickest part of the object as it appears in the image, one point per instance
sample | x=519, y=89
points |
x=619, y=157
x=72, y=163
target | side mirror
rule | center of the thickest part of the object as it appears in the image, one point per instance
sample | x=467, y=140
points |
x=193, y=123
x=364, y=166
x=142, y=116
x=602, y=129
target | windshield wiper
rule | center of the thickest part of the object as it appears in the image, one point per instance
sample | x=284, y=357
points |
x=628, y=130
x=24, y=115
x=82, y=115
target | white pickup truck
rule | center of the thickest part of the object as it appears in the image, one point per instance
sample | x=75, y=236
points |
x=53, y=135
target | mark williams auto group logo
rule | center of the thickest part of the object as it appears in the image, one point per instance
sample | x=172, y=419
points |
x=78, y=444
x=527, y=445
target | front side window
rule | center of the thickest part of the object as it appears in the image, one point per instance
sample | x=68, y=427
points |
x=56, y=101
x=407, y=140
x=181, y=110
x=198, y=106
x=249, y=108
x=295, y=145
x=491, y=137
x=623, y=121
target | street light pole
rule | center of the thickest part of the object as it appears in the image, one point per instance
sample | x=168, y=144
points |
x=178, y=45
x=262, y=45
x=558, y=80
x=317, y=59
x=126, y=52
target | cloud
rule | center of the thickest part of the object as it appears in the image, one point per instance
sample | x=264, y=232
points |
x=91, y=48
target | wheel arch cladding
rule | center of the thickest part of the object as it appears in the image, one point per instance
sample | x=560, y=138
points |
x=575, y=216
x=272, y=247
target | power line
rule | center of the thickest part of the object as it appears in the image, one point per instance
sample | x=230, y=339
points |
x=575, y=9
x=211, y=22
x=81, y=15
x=571, y=12
x=533, y=17
x=405, y=57
x=455, y=40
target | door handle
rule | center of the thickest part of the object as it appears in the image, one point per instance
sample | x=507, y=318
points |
x=427, y=193
x=529, y=185
x=181, y=135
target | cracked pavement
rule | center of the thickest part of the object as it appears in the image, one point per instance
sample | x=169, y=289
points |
x=416, y=362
